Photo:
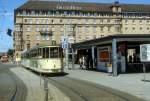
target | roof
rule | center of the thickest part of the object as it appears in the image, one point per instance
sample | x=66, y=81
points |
x=108, y=40
x=105, y=7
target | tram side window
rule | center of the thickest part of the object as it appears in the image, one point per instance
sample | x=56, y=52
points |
x=39, y=53
x=43, y=53
x=47, y=53
x=54, y=52
x=60, y=52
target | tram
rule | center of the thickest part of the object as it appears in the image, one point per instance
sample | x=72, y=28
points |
x=44, y=59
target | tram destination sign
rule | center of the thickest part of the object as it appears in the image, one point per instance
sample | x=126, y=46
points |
x=145, y=52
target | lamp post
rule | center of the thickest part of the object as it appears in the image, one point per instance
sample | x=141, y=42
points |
x=65, y=44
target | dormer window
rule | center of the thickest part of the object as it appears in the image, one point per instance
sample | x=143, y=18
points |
x=24, y=13
x=32, y=13
x=116, y=7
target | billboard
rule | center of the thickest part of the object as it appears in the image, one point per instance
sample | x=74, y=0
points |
x=145, y=53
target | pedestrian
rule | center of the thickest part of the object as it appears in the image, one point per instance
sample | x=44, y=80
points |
x=80, y=62
x=83, y=62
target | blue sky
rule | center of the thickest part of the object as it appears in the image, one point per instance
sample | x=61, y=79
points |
x=6, y=17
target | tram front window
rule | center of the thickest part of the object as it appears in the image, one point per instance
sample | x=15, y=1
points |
x=54, y=53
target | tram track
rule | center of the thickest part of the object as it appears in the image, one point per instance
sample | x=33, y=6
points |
x=71, y=93
x=12, y=88
x=78, y=90
x=19, y=89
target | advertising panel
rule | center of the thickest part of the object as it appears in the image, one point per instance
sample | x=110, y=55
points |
x=145, y=53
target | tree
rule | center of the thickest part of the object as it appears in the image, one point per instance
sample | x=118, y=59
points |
x=10, y=52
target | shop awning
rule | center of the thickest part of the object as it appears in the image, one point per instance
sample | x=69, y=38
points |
x=108, y=39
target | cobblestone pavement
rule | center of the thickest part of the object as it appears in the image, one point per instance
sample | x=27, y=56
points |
x=35, y=86
x=130, y=83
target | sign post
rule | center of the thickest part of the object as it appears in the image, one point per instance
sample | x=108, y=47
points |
x=65, y=45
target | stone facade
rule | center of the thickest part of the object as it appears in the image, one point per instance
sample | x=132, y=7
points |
x=44, y=22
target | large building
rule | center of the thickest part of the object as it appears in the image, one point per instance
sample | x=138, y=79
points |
x=44, y=22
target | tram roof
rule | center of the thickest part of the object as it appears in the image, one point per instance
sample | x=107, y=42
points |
x=108, y=40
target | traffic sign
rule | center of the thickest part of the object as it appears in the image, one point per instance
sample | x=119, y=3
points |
x=65, y=45
x=65, y=40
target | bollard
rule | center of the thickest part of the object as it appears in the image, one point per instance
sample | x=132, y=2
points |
x=46, y=89
x=144, y=71
x=40, y=79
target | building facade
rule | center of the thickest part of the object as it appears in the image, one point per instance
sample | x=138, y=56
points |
x=47, y=22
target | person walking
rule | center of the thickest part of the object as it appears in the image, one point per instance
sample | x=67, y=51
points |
x=83, y=62
x=80, y=62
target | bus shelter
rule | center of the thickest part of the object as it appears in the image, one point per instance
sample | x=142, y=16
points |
x=118, y=53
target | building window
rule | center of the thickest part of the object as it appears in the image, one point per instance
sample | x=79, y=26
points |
x=28, y=28
x=86, y=29
x=86, y=20
x=57, y=13
x=37, y=21
x=133, y=28
x=53, y=37
x=133, y=21
x=36, y=13
x=37, y=37
x=117, y=21
x=73, y=13
x=102, y=28
x=37, y=28
x=94, y=21
x=24, y=12
x=49, y=13
x=94, y=29
x=65, y=12
x=25, y=20
x=108, y=21
x=60, y=20
x=30, y=21
x=140, y=28
x=43, y=21
x=47, y=21
x=45, y=37
x=126, y=21
x=28, y=46
x=28, y=36
x=147, y=28
x=17, y=28
x=101, y=21
x=80, y=29
x=80, y=13
x=126, y=28
x=32, y=13
x=95, y=14
x=52, y=21
x=43, y=28
x=140, y=21
x=117, y=28
x=47, y=28
x=109, y=27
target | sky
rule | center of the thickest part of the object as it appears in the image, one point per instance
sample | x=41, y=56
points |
x=7, y=17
